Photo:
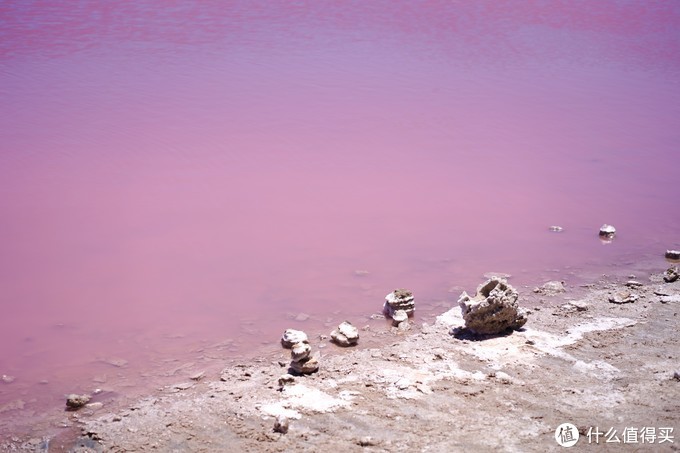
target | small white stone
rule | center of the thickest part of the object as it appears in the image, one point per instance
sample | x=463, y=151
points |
x=607, y=231
x=300, y=351
x=292, y=336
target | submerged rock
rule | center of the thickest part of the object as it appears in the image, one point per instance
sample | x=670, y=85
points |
x=550, y=288
x=494, y=308
x=399, y=299
x=74, y=401
x=292, y=336
x=345, y=335
x=607, y=231
x=7, y=379
x=671, y=274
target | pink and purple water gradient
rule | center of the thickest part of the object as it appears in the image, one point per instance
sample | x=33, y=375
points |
x=171, y=172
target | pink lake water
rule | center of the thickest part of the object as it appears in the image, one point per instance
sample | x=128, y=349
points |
x=182, y=174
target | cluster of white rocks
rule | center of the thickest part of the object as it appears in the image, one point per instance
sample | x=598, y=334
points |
x=301, y=359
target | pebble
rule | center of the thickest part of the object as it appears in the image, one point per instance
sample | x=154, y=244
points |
x=7, y=379
x=556, y=228
x=292, y=336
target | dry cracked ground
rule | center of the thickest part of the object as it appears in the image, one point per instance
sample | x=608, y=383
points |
x=604, y=367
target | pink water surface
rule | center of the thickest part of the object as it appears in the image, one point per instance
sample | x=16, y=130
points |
x=174, y=174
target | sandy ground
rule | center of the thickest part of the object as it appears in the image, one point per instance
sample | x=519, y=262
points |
x=603, y=367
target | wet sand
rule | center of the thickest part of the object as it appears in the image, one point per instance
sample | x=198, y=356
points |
x=581, y=359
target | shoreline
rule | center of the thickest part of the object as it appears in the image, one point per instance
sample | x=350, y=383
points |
x=593, y=363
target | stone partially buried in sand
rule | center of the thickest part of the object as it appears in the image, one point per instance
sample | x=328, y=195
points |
x=291, y=337
x=345, y=335
x=623, y=297
x=494, y=308
x=399, y=299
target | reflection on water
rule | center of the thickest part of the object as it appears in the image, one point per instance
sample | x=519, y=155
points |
x=175, y=177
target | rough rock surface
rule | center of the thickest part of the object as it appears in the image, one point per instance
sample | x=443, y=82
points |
x=671, y=274
x=399, y=299
x=306, y=366
x=74, y=401
x=623, y=297
x=292, y=336
x=494, y=308
x=345, y=335
x=607, y=231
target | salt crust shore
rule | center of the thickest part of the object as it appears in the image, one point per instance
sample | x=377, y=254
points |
x=595, y=364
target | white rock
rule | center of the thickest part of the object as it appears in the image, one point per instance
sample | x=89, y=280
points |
x=623, y=297
x=292, y=336
x=673, y=254
x=399, y=299
x=398, y=317
x=607, y=231
x=300, y=351
x=345, y=335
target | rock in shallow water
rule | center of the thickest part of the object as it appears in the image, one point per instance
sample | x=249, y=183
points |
x=607, y=231
x=292, y=336
x=399, y=317
x=399, y=299
x=74, y=401
x=494, y=308
x=673, y=254
x=345, y=335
